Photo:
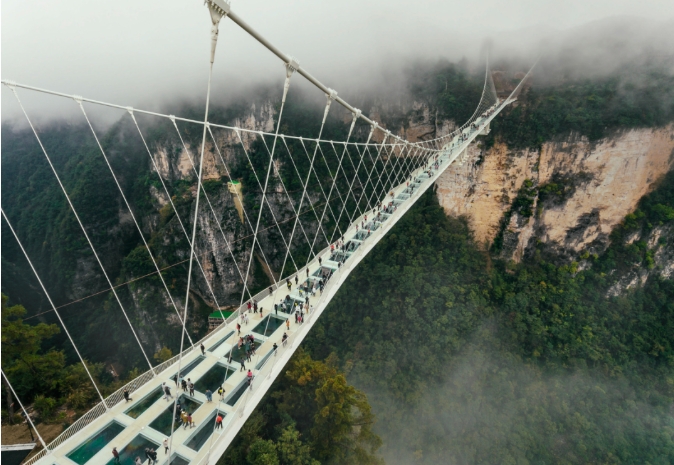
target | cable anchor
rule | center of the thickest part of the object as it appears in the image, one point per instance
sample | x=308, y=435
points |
x=218, y=10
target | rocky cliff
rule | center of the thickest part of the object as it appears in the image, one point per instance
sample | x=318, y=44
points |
x=594, y=185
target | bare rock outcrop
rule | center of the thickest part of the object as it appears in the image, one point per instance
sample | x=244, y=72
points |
x=608, y=176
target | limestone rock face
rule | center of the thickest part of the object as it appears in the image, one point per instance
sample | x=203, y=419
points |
x=609, y=176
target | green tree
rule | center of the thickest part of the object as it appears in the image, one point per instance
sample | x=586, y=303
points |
x=262, y=452
x=163, y=354
x=336, y=414
x=291, y=449
x=30, y=370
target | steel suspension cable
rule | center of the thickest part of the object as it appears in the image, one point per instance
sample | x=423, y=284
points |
x=334, y=181
x=286, y=86
x=215, y=217
x=216, y=16
x=304, y=190
x=51, y=302
x=79, y=221
x=39, y=436
x=128, y=207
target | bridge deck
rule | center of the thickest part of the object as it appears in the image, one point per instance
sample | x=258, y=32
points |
x=145, y=422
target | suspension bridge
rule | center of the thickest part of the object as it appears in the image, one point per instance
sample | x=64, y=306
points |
x=382, y=177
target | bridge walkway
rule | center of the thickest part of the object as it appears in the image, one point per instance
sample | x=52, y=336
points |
x=145, y=421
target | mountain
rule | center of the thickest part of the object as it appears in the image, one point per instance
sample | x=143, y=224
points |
x=521, y=313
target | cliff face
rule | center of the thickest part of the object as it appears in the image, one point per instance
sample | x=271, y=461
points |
x=601, y=183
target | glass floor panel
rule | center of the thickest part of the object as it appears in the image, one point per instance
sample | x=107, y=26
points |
x=163, y=422
x=204, y=432
x=339, y=257
x=213, y=378
x=268, y=325
x=135, y=448
x=238, y=392
x=95, y=443
x=239, y=353
x=352, y=246
x=220, y=342
x=178, y=460
x=189, y=367
x=144, y=404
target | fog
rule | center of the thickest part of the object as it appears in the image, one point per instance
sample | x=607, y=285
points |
x=147, y=54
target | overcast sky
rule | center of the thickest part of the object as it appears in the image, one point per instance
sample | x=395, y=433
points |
x=145, y=52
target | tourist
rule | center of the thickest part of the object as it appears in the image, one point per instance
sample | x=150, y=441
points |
x=284, y=339
x=238, y=329
x=189, y=420
x=138, y=461
x=203, y=349
x=243, y=364
x=288, y=324
x=183, y=384
x=250, y=377
x=153, y=456
x=126, y=395
x=167, y=392
x=275, y=349
x=209, y=395
x=166, y=445
x=221, y=392
x=276, y=308
x=115, y=454
x=218, y=421
x=191, y=386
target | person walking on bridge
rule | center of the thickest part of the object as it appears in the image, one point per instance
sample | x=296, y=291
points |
x=218, y=422
x=115, y=455
x=166, y=445
x=167, y=392
x=203, y=349
x=126, y=395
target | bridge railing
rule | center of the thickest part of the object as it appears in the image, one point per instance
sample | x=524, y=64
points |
x=116, y=397
x=272, y=363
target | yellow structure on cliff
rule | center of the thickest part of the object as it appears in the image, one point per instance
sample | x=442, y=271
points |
x=235, y=189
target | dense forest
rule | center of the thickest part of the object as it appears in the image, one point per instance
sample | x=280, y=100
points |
x=434, y=351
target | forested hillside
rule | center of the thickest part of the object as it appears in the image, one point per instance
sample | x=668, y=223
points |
x=466, y=360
